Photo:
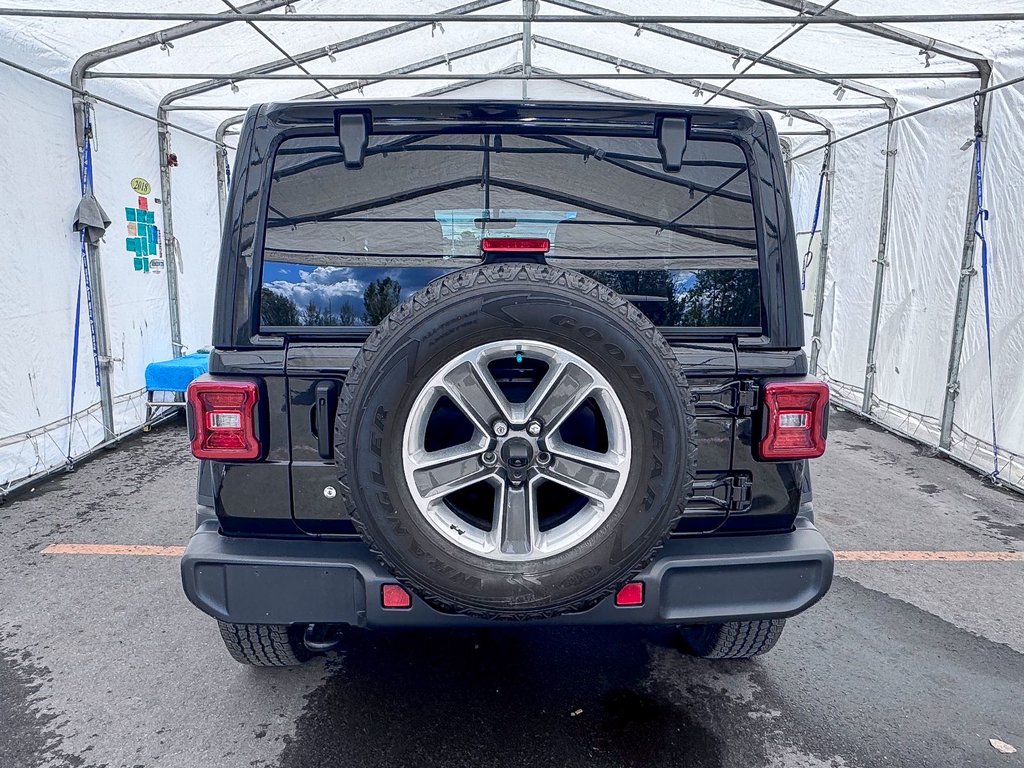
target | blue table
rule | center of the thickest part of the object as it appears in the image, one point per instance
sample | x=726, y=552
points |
x=174, y=376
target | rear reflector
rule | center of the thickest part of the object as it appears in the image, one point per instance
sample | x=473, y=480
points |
x=395, y=596
x=630, y=595
x=223, y=419
x=515, y=245
x=795, y=415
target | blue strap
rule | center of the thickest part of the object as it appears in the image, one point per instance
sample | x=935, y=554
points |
x=979, y=230
x=809, y=256
x=74, y=362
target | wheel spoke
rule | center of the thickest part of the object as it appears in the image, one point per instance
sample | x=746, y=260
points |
x=438, y=473
x=561, y=393
x=515, y=525
x=467, y=385
x=587, y=472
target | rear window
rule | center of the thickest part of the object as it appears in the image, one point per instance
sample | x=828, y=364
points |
x=344, y=246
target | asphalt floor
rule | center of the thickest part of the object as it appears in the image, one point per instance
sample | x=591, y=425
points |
x=908, y=661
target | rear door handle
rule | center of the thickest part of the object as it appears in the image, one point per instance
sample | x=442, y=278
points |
x=326, y=396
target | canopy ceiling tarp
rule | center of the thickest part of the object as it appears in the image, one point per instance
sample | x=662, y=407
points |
x=895, y=303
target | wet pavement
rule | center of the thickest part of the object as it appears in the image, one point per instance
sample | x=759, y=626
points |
x=905, y=663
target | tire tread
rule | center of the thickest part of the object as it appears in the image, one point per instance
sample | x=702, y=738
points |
x=262, y=645
x=734, y=639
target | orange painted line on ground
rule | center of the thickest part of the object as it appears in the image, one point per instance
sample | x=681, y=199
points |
x=867, y=556
x=113, y=549
x=916, y=555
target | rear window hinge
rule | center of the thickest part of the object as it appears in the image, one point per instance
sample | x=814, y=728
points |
x=746, y=398
x=741, y=492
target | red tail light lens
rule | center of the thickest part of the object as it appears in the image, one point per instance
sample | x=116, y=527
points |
x=795, y=415
x=515, y=245
x=223, y=419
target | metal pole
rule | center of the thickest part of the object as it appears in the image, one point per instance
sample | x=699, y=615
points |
x=416, y=66
x=614, y=18
x=170, y=242
x=787, y=150
x=904, y=36
x=94, y=97
x=222, y=165
x=829, y=163
x=844, y=77
x=456, y=86
x=222, y=183
x=907, y=115
x=881, y=262
x=332, y=50
x=689, y=83
x=529, y=10
x=99, y=302
x=774, y=47
x=967, y=271
x=710, y=43
x=614, y=93
x=277, y=46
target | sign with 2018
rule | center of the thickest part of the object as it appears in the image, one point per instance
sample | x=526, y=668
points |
x=143, y=236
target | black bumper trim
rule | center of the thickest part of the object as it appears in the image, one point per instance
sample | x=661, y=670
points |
x=694, y=580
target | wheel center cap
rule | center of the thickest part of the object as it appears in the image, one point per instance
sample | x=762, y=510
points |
x=517, y=453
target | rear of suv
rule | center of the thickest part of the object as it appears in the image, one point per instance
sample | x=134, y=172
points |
x=484, y=362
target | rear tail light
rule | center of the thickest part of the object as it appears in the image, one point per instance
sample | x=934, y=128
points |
x=223, y=423
x=515, y=245
x=795, y=420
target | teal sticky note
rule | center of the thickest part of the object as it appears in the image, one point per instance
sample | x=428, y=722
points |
x=138, y=263
x=129, y=214
x=145, y=265
x=149, y=217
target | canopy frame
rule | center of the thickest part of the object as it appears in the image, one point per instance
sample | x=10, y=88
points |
x=656, y=24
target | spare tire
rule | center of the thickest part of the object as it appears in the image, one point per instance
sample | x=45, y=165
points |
x=515, y=441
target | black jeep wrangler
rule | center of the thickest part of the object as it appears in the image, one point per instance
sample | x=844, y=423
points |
x=481, y=362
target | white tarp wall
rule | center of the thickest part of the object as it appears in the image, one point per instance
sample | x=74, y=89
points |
x=1004, y=197
x=39, y=268
x=40, y=260
x=925, y=247
x=41, y=264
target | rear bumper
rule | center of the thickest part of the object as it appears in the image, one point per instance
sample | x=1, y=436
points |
x=698, y=580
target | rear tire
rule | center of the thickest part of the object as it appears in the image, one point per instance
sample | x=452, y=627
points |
x=264, y=645
x=732, y=640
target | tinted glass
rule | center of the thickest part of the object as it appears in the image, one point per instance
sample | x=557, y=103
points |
x=344, y=246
